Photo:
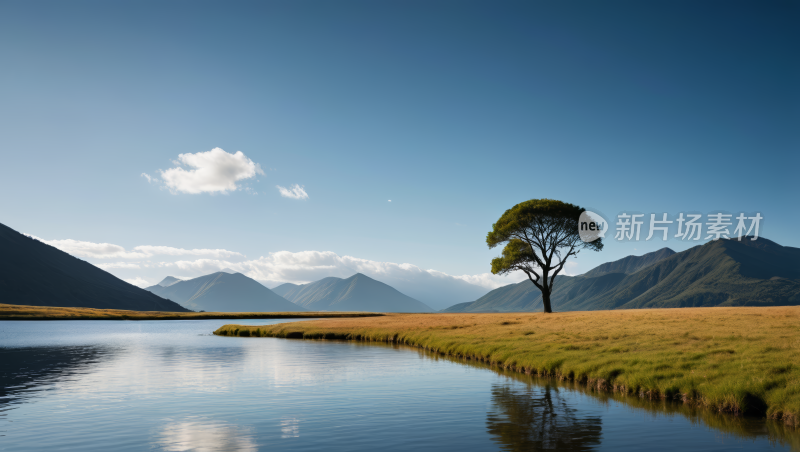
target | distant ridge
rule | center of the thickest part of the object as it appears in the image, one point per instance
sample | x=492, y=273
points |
x=36, y=274
x=719, y=273
x=223, y=292
x=284, y=289
x=168, y=281
x=356, y=293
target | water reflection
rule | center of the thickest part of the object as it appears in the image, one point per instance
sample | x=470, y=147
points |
x=539, y=419
x=165, y=386
x=23, y=371
x=203, y=435
x=511, y=408
x=290, y=428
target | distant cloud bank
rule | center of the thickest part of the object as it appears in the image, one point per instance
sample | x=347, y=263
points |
x=109, y=251
x=215, y=171
x=433, y=287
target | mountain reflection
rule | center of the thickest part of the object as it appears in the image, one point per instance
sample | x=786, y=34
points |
x=27, y=369
x=538, y=418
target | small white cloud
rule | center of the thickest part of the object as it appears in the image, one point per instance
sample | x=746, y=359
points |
x=294, y=192
x=147, y=176
x=212, y=171
x=390, y=200
x=137, y=281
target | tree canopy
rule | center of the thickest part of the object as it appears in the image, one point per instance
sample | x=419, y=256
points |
x=540, y=235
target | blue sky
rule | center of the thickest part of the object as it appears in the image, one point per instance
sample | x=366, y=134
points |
x=454, y=111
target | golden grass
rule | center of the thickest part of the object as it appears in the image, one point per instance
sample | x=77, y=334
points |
x=22, y=312
x=731, y=360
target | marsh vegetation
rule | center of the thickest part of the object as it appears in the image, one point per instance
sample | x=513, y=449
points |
x=21, y=312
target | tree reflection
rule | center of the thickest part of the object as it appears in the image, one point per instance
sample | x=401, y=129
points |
x=539, y=419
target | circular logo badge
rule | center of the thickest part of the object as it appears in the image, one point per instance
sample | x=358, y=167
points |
x=591, y=226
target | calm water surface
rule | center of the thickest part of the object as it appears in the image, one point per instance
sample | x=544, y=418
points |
x=171, y=386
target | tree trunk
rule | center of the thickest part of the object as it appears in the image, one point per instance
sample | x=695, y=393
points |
x=546, y=301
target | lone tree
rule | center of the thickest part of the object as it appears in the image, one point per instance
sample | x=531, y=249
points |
x=540, y=235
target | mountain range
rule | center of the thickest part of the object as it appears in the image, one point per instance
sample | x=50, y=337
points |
x=223, y=292
x=34, y=273
x=356, y=293
x=719, y=273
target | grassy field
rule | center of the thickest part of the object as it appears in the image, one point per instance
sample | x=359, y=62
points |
x=735, y=360
x=21, y=312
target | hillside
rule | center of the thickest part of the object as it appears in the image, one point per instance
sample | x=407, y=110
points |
x=223, y=292
x=719, y=273
x=630, y=264
x=36, y=274
x=356, y=293
x=284, y=289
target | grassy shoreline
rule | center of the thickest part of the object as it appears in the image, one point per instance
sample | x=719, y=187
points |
x=22, y=312
x=731, y=360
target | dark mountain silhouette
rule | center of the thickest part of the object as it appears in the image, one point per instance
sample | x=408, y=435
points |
x=356, y=293
x=719, y=273
x=36, y=274
x=224, y=292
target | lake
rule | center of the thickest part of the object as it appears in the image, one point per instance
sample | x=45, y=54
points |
x=172, y=386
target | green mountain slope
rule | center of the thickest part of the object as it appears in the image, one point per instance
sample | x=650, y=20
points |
x=719, y=273
x=223, y=292
x=630, y=264
x=34, y=273
x=356, y=293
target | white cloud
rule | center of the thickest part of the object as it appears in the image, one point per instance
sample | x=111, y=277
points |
x=147, y=176
x=110, y=265
x=108, y=251
x=90, y=249
x=137, y=281
x=212, y=171
x=151, y=250
x=294, y=192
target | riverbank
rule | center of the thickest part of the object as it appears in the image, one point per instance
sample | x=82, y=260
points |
x=735, y=360
x=22, y=312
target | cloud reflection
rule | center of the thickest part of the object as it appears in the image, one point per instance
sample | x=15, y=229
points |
x=206, y=436
x=290, y=428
